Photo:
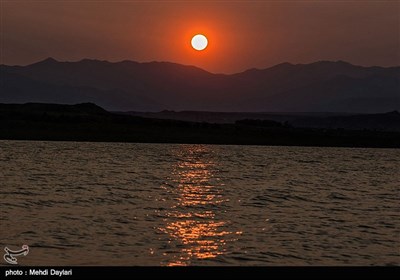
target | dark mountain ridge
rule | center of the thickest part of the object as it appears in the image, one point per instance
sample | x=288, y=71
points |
x=155, y=86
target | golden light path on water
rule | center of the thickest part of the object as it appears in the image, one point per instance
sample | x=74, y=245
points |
x=192, y=219
x=96, y=204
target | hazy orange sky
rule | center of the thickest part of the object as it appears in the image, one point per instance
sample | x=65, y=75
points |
x=241, y=34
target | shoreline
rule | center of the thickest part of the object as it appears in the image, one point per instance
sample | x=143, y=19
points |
x=201, y=143
x=90, y=123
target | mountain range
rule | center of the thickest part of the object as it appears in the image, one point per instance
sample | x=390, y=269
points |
x=323, y=86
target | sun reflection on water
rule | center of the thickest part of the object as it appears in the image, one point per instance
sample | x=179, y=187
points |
x=192, y=220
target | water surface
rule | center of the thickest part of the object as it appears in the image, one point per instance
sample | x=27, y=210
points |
x=163, y=204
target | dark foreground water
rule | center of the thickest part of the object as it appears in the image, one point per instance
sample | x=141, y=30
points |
x=161, y=204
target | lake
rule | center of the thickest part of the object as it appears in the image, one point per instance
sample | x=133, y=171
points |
x=168, y=204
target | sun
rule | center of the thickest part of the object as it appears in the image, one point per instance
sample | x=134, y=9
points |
x=199, y=42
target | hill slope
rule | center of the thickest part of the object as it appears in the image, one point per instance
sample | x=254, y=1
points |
x=127, y=85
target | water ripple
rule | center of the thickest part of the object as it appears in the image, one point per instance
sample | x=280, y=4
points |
x=158, y=204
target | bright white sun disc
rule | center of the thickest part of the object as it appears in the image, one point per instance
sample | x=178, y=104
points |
x=199, y=42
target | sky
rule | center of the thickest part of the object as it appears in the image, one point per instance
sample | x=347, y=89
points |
x=241, y=34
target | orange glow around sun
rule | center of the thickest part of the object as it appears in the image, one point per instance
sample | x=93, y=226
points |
x=200, y=45
x=202, y=54
x=218, y=51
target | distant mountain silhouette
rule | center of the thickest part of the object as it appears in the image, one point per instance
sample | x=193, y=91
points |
x=375, y=122
x=89, y=122
x=378, y=122
x=317, y=87
x=18, y=88
x=32, y=109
